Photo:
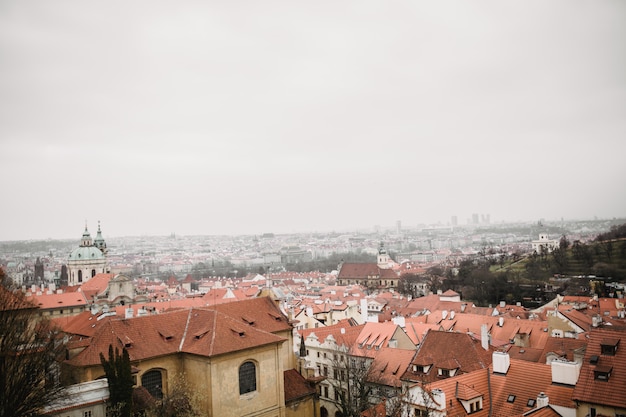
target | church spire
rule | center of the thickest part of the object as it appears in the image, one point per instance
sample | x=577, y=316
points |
x=99, y=241
x=86, y=239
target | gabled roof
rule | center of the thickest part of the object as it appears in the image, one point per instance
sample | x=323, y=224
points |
x=296, y=386
x=96, y=285
x=526, y=380
x=609, y=392
x=375, y=336
x=358, y=270
x=365, y=270
x=199, y=331
x=64, y=300
x=389, y=365
x=345, y=333
x=84, y=324
x=439, y=347
x=264, y=313
x=504, y=395
x=564, y=347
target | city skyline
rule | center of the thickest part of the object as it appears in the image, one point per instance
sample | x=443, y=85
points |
x=211, y=119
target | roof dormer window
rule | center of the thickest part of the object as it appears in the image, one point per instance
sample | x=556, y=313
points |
x=602, y=373
x=609, y=346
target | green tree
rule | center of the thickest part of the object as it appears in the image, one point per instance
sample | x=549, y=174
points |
x=118, y=372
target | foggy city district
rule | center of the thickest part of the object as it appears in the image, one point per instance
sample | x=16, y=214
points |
x=316, y=209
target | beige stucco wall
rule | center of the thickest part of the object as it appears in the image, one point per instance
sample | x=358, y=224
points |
x=583, y=410
x=267, y=400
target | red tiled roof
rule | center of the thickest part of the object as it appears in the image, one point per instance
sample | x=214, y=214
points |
x=609, y=392
x=389, y=365
x=206, y=332
x=344, y=333
x=10, y=301
x=50, y=301
x=439, y=347
x=564, y=347
x=523, y=381
x=365, y=270
x=96, y=285
x=296, y=386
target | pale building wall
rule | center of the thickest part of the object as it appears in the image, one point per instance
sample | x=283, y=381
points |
x=270, y=394
x=584, y=410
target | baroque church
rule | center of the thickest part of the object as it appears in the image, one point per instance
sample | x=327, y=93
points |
x=89, y=259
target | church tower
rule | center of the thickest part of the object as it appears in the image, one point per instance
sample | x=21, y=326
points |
x=84, y=262
x=383, y=257
x=99, y=241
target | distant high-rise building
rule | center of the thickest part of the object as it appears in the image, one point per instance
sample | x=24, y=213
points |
x=398, y=226
x=475, y=218
x=454, y=220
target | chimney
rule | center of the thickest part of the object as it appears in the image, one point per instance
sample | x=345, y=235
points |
x=565, y=372
x=129, y=313
x=463, y=307
x=500, y=321
x=502, y=304
x=363, y=310
x=452, y=315
x=500, y=362
x=542, y=400
x=596, y=321
x=444, y=314
x=399, y=321
x=484, y=337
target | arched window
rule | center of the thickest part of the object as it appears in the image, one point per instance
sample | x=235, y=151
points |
x=247, y=378
x=80, y=275
x=93, y=273
x=153, y=382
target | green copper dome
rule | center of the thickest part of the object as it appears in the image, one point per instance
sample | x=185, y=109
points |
x=85, y=253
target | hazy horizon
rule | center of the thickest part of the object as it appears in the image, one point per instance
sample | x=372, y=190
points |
x=228, y=118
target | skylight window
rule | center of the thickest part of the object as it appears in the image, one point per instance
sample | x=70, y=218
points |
x=531, y=402
x=510, y=398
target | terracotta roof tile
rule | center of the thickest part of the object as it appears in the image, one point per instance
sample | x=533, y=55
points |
x=439, y=348
x=389, y=365
x=610, y=391
x=296, y=386
x=201, y=331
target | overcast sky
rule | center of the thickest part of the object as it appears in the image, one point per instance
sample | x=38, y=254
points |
x=244, y=117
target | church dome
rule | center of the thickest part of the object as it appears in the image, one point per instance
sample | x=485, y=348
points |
x=86, y=253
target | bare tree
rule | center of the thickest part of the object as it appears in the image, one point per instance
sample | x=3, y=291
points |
x=178, y=402
x=350, y=384
x=30, y=350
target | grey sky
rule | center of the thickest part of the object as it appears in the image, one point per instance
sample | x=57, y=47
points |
x=277, y=116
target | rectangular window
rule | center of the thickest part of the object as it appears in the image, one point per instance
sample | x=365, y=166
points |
x=326, y=392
